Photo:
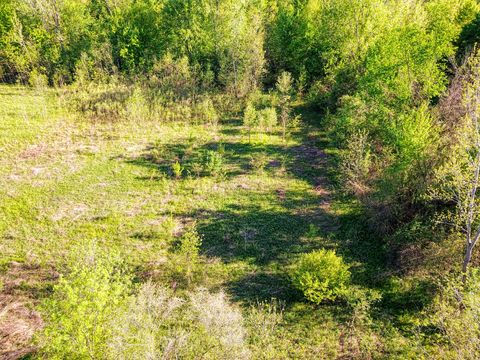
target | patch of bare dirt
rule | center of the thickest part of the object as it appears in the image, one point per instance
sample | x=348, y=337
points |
x=34, y=151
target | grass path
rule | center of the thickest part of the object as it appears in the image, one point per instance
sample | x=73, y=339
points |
x=67, y=181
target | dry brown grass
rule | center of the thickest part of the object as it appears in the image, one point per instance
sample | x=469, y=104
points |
x=22, y=288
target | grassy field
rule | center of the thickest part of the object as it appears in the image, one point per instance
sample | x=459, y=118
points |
x=67, y=181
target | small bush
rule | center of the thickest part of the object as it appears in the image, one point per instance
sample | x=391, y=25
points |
x=207, y=113
x=37, y=80
x=249, y=118
x=356, y=163
x=177, y=170
x=189, y=252
x=321, y=275
x=285, y=88
x=455, y=312
x=83, y=303
x=213, y=163
x=360, y=337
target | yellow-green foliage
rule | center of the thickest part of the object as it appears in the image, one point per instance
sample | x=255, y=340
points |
x=455, y=311
x=207, y=112
x=249, y=116
x=320, y=275
x=177, y=170
x=188, y=253
x=267, y=118
x=213, y=163
x=84, y=302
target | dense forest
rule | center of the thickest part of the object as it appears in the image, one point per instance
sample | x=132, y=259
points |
x=239, y=179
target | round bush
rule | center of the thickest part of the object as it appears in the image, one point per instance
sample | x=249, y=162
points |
x=321, y=275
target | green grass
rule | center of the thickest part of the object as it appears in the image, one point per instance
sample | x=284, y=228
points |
x=65, y=181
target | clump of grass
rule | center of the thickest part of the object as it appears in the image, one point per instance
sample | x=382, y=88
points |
x=197, y=169
x=264, y=320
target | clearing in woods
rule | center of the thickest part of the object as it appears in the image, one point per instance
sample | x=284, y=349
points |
x=65, y=180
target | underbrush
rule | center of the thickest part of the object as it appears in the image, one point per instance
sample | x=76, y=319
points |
x=123, y=101
x=96, y=311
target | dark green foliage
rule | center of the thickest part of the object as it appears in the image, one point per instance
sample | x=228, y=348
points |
x=469, y=37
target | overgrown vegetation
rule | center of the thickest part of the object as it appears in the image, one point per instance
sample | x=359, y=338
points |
x=264, y=179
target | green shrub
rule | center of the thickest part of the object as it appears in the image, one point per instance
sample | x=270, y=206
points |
x=82, y=305
x=361, y=337
x=285, y=88
x=213, y=163
x=207, y=113
x=37, y=80
x=249, y=118
x=356, y=162
x=321, y=275
x=455, y=312
x=189, y=252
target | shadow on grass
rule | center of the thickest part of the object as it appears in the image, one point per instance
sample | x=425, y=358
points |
x=305, y=162
x=257, y=235
x=270, y=237
x=236, y=156
x=263, y=286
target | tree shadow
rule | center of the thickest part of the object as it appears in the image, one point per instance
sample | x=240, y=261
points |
x=236, y=156
x=263, y=286
x=304, y=162
x=269, y=238
x=257, y=235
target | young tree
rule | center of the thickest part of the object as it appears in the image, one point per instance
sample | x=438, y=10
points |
x=250, y=119
x=284, y=88
x=240, y=36
x=267, y=119
x=469, y=206
x=460, y=176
